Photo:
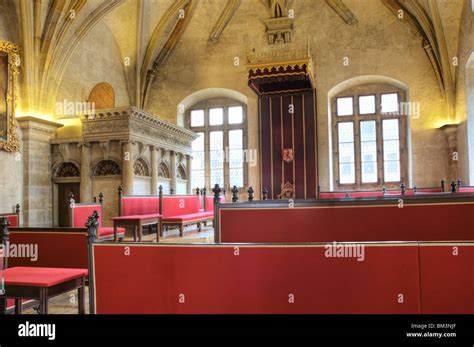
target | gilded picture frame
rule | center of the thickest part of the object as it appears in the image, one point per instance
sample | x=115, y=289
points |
x=9, y=69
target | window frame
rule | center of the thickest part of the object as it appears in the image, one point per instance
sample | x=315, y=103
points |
x=224, y=103
x=378, y=117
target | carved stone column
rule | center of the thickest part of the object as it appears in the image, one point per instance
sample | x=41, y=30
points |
x=37, y=193
x=451, y=132
x=127, y=167
x=189, y=188
x=154, y=170
x=86, y=181
x=173, y=170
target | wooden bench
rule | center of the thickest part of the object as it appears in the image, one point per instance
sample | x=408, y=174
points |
x=391, y=277
x=436, y=217
x=254, y=279
x=79, y=213
x=57, y=248
x=137, y=211
x=182, y=210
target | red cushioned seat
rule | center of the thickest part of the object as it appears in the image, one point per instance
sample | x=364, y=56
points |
x=189, y=217
x=40, y=276
x=109, y=231
x=137, y=216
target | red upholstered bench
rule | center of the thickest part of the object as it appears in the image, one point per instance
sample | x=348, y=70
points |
x=138, y=211
x=181, y=210
x=466, y=190
x=13, y=217
x=41, y=284
x=79, y=214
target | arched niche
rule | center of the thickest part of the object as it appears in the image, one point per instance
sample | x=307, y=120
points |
x=163, y=171
x=106, y=168
x=66, y=169
x=140, y=168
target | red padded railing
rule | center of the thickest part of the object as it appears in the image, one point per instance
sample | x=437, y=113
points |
x=408, y=219
x=235, y=279
x=56, y=247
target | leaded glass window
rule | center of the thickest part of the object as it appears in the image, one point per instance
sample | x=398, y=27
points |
x=369, y=138
x=236, y=158
x=219, y=153
x=216, y=156
x=198, y=163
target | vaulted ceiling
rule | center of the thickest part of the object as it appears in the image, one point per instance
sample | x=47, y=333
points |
x=147, y=31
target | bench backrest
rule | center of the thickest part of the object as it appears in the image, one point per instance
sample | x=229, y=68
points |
x=12, y=217
x=442, y=265
x=140, y=205
x=56, y=247
x=418, y=219
x=80, y=212
x=210, y=202
x=174, y=205
x=298, y=279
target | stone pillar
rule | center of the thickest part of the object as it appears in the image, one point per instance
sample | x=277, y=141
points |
x=451, y=131
x=86, y=181
x=37, y=187
x=127, y=168
x=173, y=170
x=154, y=170
x=189, y=188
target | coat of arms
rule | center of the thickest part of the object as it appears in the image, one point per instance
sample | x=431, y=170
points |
x=288, y=155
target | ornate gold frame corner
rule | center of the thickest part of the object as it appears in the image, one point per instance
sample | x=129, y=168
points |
x=12, y=144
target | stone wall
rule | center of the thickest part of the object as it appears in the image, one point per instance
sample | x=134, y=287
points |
x=11, y=164
x=377, y=45
x=465, y=95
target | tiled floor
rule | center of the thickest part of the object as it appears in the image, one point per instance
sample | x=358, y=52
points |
x=67, y=303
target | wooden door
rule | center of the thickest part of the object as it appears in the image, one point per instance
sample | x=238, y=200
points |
x=64, y=190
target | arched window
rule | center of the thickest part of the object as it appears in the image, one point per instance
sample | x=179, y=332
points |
x=369, y=137
x=140, y=168
x=218, y=152
x=106, y=168
x=67, y=169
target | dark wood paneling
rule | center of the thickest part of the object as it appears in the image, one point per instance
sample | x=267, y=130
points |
x=64, y=189
x=277, y=145
x=279, y=129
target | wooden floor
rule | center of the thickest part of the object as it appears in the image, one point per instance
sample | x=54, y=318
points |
x=67, y=303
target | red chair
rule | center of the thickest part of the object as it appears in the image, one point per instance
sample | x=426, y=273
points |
x=81, y=211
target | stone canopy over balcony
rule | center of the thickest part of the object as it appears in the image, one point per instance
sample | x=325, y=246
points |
x=133, y=124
